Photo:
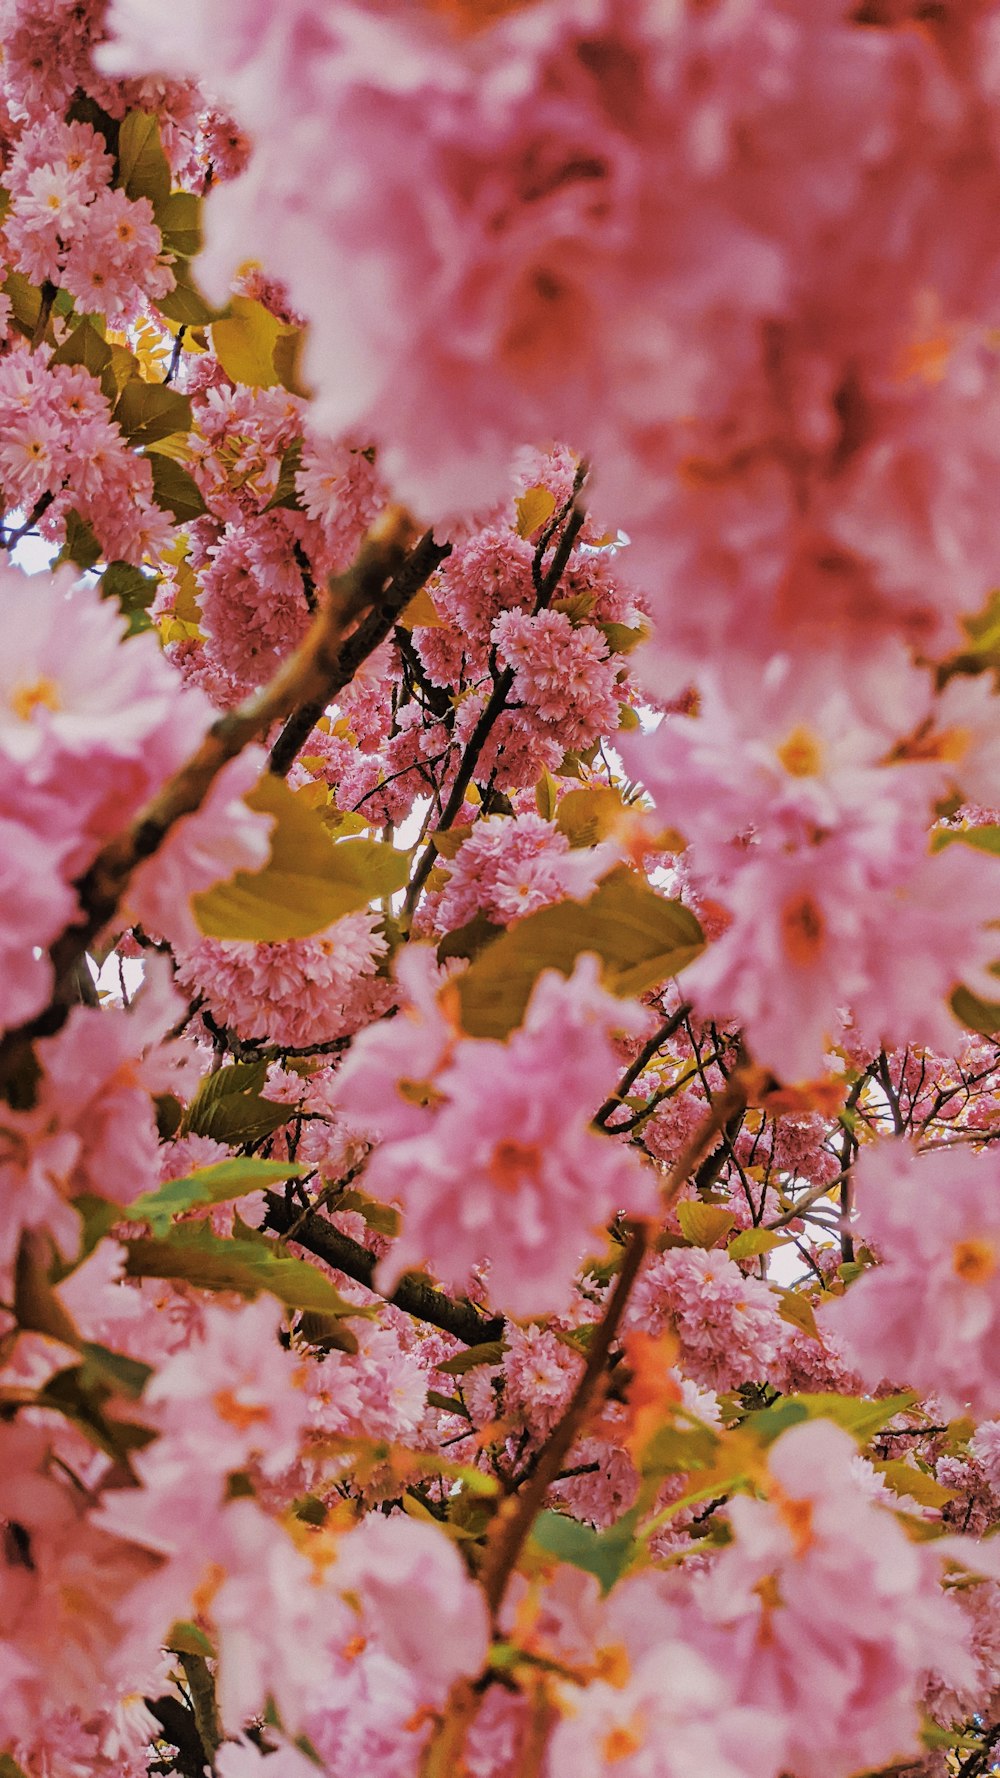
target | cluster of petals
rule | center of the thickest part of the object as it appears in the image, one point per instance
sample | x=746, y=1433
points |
x=90, y=726
x=728, y=1325
x=511, y=865
x=740, y=257
x=818, y=851
x=488, y=1146
x=883, y=1626
x=69, y=227
x=305, y=991
x=60, y=447
x=927, y=1315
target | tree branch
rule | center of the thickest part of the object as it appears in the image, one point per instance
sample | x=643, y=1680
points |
x=412, y=1294
x=386, y=606
x=327, y=657
x=516, y=1517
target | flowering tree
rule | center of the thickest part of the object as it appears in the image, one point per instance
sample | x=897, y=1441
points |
x=499, y=830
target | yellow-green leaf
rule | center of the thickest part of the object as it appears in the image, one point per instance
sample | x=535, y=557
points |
x=588, y=816
x=916, y=1484
x=704, y=1224
x=310, y=880
x=245, y=341
x=247, y=1263
x=420, y=613
x=797, y=1310
x=534, y=508
x=546, y=795
x=148, y=411
x=751, y=1242
x=978, y=1015
x=640, y=937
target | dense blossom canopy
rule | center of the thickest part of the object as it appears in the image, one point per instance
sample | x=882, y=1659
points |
x=500, y=867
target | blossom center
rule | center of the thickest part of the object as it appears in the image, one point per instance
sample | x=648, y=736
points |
x=26, y=699
x=621, y=1742
x=801, y=754
x=975, y=1260
x=798, y=1516
x=240, y=1414
x=510, y=1161
x=803, y=929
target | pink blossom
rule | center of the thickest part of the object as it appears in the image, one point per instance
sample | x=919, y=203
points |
x=303, y=992
x=224, y=836
x=502, y=1162
x=415, y=1593
x=926, y=1316
x=728, y=1325
x=825, y=1598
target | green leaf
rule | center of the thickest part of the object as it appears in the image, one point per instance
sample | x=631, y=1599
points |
x=148, y=411
x=857, y=1414
x=245, y=341
x=175, y=490
x=676, y=1449
x=640, y=937
x=982, y=839
x=621, y=639
x=286, y=494
x=185, y=304
x=186, y=1639
x=215, y=1184
x=906, y=1479
x=80, y=1395
x=86, y=346
x=9, y=1767
x=25, y=300
x=978, y=1015
x=534, y=508
x=133, y=590
x=488, y=1352
x=798, y=1311
x=605, y=1554
x=247, y=1263
x=228, y=1106
x=179, y=220
x=309, y=882
x=143, y=168
x=36, y=1305
x=704, y=1224
x=113, y=1370
x=81, y=545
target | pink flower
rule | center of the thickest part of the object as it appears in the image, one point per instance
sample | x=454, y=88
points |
x=416, y=1597
x=928, y=1315
x=728, y=1325
x=502, y=1163
x=223, y=836
x=833, y=1615
x=306, y=991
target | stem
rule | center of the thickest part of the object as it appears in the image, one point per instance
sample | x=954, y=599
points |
x=660, y=1036
x=408, y=577
x=322, y=662
x=516, y=1516
x=412, y=1294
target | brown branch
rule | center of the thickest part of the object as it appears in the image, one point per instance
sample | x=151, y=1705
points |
x=406, y=582
x=514, y=1520
x=326, y=658
x=660, y=1036
x=413, y=1294
x=502, y=686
